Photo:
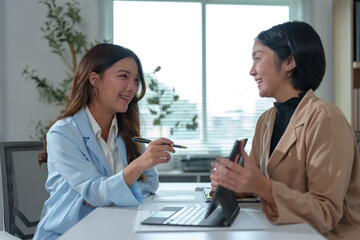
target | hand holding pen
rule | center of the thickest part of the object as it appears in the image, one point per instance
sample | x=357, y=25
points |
x=158, y=151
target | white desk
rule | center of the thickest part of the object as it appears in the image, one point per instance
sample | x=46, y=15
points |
x=118, y=223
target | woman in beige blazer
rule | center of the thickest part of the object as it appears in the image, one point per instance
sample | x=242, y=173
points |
x=304, y=162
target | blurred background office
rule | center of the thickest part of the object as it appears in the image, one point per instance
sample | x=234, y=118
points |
x=22, y=44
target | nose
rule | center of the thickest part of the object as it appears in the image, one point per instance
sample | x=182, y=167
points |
x=252, y=70
x=132, y=86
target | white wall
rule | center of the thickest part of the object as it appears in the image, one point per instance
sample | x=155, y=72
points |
x=2, y=96
x=323, y=24
x=2, y=67
x=22, y=45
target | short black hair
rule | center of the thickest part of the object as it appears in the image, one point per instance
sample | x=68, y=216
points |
x=301, y=41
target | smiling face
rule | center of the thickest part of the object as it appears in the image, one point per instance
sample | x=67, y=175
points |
x=116, y=88
x=271, y=76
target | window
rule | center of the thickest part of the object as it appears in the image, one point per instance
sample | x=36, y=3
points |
x=204, y=50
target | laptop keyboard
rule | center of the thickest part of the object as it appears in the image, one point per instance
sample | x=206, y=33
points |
x=187, y=216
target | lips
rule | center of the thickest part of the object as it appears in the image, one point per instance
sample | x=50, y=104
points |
x=126, y=98
x=258, y=81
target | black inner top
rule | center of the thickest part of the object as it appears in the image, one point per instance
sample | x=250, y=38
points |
x=284, y=112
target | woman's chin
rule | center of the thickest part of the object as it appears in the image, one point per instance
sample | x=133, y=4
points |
x=122, y=110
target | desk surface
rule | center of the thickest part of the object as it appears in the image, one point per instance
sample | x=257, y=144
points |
x=118, y=222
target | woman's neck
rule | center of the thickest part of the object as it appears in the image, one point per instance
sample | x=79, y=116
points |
x=287, y=93
x=103, y=118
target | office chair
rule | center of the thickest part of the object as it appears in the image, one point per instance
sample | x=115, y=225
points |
x=23, y=184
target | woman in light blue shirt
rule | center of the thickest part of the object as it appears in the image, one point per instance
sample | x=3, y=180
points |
x=91, y=159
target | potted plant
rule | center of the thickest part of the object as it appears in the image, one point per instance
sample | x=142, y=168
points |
x=64, y=40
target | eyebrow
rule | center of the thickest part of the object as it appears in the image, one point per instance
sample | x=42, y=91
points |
x=257, y=51
x=124, y=70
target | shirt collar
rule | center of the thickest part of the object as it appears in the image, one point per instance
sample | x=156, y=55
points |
x=96, y=128
x=289, y=105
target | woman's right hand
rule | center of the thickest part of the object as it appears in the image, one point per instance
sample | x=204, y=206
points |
x=156, y=152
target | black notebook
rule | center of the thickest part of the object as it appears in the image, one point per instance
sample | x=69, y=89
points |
x=221, y=212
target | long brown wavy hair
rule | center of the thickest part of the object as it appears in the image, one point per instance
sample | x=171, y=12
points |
x=98, y=59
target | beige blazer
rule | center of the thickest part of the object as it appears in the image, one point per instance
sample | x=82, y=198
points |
x=315, y=169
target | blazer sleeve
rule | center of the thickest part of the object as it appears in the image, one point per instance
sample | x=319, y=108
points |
x=151, y=183
x=329, y=159
x=68, y=153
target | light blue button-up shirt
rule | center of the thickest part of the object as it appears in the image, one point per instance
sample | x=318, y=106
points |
x=77, y=171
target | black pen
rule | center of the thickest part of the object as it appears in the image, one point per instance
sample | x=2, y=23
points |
x=143, y=140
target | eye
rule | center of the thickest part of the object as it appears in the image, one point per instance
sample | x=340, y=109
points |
x=256, y=59
x=123, y=76
x=137, y=81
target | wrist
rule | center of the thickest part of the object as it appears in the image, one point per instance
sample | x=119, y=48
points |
x=137, y=166
x=267, y=191
x=132, y=172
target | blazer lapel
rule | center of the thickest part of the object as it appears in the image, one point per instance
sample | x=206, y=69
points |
x=93, y=146
x=267, y=139
x=282, y=148
x=289, y=137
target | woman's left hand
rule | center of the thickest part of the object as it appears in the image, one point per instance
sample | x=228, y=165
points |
x=87, y=204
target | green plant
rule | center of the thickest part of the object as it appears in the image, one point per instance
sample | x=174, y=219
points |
x=161, y=100
x=66, y=42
